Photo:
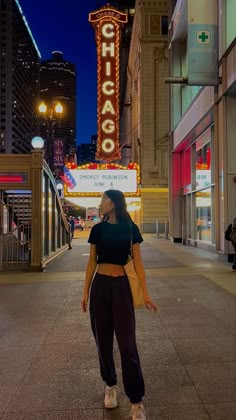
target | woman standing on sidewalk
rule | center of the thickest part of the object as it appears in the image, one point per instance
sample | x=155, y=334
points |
x=230, y=235
x=111, y=304
x=233, y=240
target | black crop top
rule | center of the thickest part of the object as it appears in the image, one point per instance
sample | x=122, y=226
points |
x=113, y=241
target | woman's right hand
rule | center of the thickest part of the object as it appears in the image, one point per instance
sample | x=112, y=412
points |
x=150, y=305
x=84, y=301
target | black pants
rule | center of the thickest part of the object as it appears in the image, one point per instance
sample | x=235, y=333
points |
x=234, y=263
x=111, y=310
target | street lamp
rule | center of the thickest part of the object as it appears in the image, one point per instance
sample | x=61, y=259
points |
x=50, y=114
x=60, y=187
x=37, y=143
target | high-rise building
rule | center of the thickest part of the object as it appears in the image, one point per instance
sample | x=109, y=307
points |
x=86, y=151
x=58, y=84
x=19, y=71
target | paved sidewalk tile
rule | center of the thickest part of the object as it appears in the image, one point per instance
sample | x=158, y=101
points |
x=215, y=382
x=48, y=360
x=58, y=391
x=57, y=415
x=222, y=411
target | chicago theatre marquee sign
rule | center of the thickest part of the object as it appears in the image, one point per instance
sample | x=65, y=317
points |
x=91, y=179
x=107, y=23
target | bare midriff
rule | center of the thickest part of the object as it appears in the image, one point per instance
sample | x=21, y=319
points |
x=112, y=270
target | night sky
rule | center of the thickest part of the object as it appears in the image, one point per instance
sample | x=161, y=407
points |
x=63, y=25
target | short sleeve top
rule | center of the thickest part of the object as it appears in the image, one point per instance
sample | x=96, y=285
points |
x=113, y=241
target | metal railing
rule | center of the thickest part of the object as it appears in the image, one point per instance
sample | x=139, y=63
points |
x=159, y=227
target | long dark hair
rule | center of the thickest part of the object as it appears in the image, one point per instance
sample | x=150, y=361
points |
x=118, y=199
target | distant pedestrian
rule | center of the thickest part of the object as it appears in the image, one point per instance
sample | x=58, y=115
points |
x=111, y=303
x=81, y=224
x=72, y=226
x=230, y=235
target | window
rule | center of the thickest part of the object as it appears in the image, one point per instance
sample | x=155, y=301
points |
x=203, y=165
x=164, y=25
x=230, y=16
x=204, y=215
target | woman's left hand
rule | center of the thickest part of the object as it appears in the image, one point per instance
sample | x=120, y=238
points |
x=150, y=305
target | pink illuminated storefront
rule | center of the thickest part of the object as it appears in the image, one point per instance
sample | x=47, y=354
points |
x=192, y=187
x=197, y=184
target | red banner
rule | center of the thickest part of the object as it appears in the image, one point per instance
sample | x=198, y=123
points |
x=107, y=23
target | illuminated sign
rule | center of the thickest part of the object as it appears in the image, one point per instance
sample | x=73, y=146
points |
x=202, y=38
x=98, y=181
x=107, y=23
x=13, y=178
x=203, y=178
x=93, y=179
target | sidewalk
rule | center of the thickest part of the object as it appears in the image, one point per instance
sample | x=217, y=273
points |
x=48, y=361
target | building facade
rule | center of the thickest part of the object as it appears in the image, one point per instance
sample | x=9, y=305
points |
x=202, y=123
x=19, y=67
x=58, y=84
x=144, y=119
x=86, y=151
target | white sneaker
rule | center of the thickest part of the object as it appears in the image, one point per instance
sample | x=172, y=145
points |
x=110, y=400
x=137, y=412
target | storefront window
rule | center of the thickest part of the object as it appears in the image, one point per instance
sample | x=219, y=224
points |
x=197, y=165
x=203, y=215
x=203, y=165
x=230, y=21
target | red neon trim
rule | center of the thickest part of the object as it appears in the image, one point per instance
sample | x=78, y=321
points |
x=9, y=179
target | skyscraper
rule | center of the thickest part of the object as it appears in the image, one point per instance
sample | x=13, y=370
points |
x=19, y=71
x=58, y=84
x=86, y=151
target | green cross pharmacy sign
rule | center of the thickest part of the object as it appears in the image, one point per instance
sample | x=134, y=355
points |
x=203, y=37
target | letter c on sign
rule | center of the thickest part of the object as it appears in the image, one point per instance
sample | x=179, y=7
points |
x=108, y=91
x=107, y=30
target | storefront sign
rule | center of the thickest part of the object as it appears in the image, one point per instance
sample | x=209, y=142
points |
x=98, y=181
x=203, y=178
x=202, y=43
x=107, y=23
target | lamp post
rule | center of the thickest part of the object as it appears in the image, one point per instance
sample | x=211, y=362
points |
x=50, y=115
